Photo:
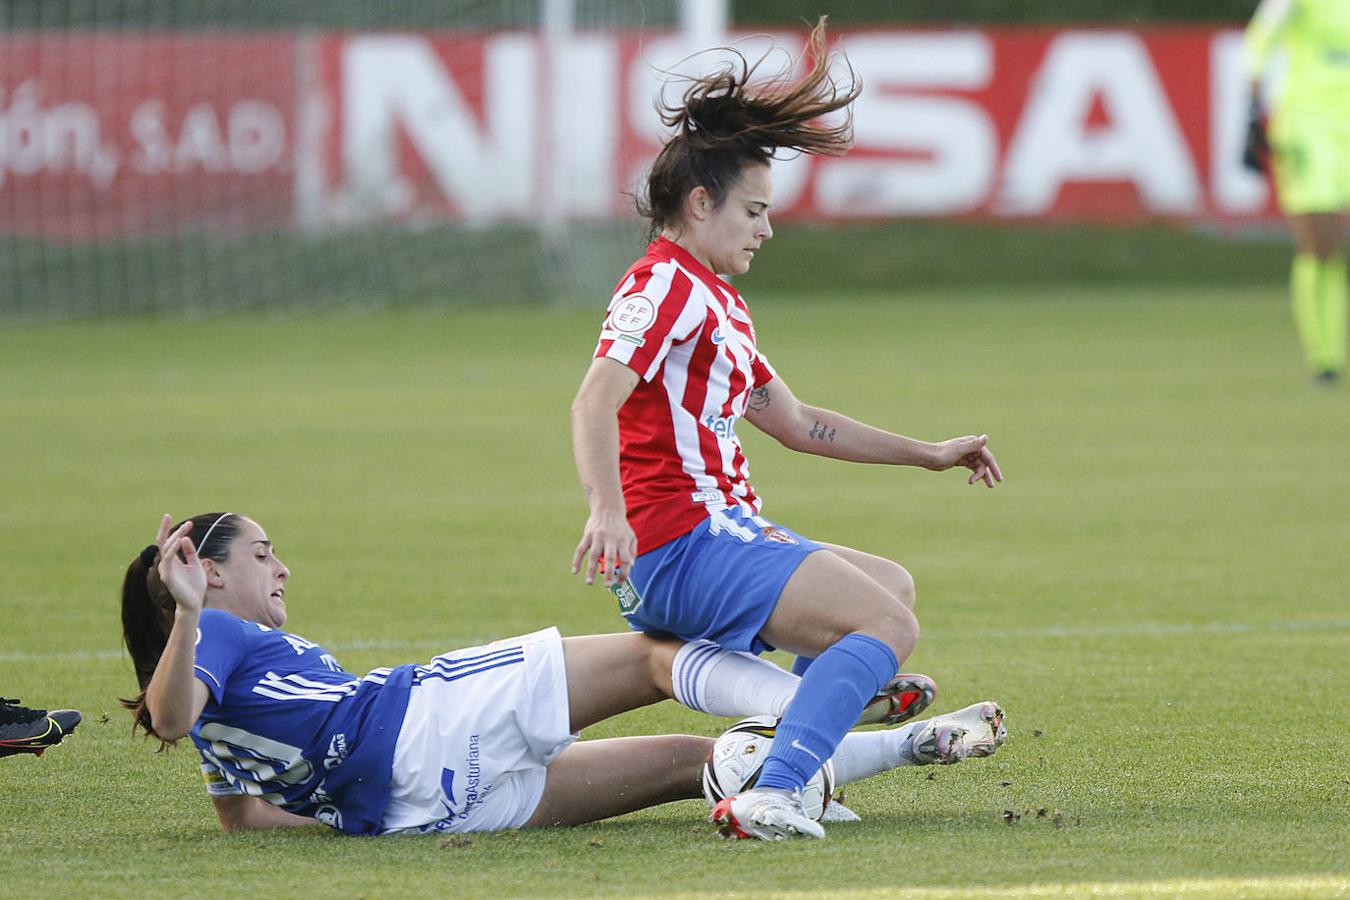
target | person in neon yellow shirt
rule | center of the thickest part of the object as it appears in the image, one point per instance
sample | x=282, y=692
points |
x=1309, y=149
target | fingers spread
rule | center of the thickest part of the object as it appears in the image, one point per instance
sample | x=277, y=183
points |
x=992, y=465
x=612, y=562
x=163, y=531
x=173, y=540
x=580, y=553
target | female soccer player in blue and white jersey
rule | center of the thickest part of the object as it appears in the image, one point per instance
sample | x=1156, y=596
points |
x=474, y=740
x=674, y=523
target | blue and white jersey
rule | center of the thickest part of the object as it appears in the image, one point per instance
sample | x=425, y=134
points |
x=286, y=723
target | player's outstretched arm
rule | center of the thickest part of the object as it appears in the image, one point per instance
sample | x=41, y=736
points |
x=174, y=696
x=776, y=411
x=242, y=813
x=607, y=539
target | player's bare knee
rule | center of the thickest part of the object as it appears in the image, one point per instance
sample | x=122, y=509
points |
x=901, y=585
x=899, y=630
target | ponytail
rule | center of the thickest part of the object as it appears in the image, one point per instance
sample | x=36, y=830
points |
x=147, y=618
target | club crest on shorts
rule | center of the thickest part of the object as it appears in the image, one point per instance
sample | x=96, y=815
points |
x=777, y=535
x=629, y=598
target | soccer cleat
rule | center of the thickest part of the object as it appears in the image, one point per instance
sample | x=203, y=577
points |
x=24, y=730
x=764, y=813
x=838, y=812
x=899, y=701
x=976, y=730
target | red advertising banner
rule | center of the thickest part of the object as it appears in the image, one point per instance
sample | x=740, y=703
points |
x=104, y=135
x=109, y=134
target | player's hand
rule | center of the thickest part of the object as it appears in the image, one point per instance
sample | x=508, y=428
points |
x=1256, y=145
x=972, y=452
x=180, y=569
x=611, y=544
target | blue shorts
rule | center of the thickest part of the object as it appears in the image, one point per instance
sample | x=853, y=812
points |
x=720, y=582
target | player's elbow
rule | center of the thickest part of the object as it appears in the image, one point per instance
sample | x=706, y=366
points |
x=169, y=728
x=792, y=441
x=582, y=408
x=794, y=433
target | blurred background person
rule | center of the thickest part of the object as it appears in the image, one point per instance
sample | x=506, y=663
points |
x=1309, y=155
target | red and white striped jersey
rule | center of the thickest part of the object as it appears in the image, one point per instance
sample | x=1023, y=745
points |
x=687, y=333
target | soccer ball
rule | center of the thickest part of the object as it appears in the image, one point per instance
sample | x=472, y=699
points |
x=738, y=756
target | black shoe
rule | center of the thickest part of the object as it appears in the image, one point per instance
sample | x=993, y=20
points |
x=24, y=730
x=1327, y=378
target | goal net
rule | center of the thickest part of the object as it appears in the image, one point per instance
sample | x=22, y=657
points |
x=196, y=156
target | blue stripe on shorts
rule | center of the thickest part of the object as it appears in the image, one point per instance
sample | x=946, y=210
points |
x=449, y=667
x=719, y=582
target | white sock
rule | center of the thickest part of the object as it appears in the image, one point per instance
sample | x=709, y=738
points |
x=863, y=754
x=730, y=683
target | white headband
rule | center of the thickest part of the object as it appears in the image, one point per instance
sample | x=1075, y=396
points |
x=207, y=537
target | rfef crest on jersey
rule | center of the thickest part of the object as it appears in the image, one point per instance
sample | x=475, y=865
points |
x=633, y=314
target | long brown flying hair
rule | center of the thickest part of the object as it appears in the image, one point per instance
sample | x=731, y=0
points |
x=729, y=119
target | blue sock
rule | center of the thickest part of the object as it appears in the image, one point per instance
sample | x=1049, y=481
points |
x=833, y=692
x=801, y=664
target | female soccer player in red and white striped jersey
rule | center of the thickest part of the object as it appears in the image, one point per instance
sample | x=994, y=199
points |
x=674, y=525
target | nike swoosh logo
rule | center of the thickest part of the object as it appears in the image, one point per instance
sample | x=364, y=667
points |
x=797, y=745
x=717, y=336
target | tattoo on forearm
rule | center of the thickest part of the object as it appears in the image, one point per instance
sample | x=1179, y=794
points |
x=759, y=399
x=588, y=489
x=820, y=433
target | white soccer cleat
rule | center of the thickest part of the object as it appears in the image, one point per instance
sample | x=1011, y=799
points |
x=976, y=730
x=764, y=813
x=903, y=698
x=838, y=812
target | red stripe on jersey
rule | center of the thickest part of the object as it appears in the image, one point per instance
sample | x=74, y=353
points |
x=738, y=383
x=694, y=400
x=669, y=309
x=640, y=279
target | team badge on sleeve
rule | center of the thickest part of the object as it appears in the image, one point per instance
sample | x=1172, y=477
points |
x=632, y=315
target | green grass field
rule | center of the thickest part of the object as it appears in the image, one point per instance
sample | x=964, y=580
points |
x=1157, y=593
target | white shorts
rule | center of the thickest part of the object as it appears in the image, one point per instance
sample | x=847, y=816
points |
x=482, y=724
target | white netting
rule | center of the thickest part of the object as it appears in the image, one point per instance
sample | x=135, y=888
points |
x=202, y=155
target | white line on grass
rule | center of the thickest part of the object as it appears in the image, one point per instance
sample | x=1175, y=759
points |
x=1218, y=888
x=1144, y=629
